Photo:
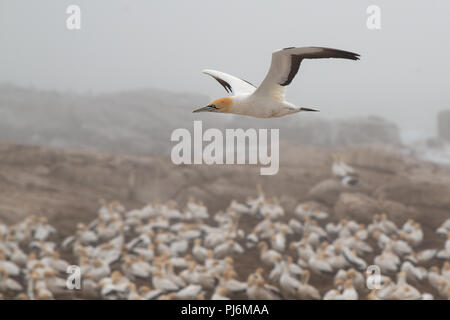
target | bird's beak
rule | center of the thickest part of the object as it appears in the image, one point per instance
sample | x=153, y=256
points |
x=203, y=109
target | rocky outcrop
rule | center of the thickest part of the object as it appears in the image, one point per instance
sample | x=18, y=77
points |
x=142, y=121
x=362, y=208
x=357, y=206
x=327, y=191
x=376, y=158
x=63, y=184
x=428, y=192
x=370, y=130
x=444, y=125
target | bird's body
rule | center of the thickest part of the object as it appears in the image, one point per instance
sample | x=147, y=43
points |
x=261, y=107
x=268, y=100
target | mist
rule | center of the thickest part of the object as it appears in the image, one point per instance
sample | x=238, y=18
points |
x=112, y=188
x=147, y=44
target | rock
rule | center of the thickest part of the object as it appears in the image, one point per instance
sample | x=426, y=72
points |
x=361, y=208
x=327, y=191
x=314, y=205
x=288, y=203
x=444, y=125
x=357, y=206
x=398, y=212
x=376, y=158
x=318, y=132
x=370, y=130
x=435, y=143
x=425, y=192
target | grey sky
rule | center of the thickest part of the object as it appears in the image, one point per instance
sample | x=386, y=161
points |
x=402, y=74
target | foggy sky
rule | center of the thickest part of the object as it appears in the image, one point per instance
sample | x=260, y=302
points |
x=402, y=75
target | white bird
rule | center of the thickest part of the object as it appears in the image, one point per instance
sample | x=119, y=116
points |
x=412, y=272
x=405, y=291
x=343, y=171
x=445, y=253
x=230, y=284
x=444, y=228
x=257, y=289
x=200, y=253
x=162, y=283
x=422, y=256
x=353, y=258
x=268, y=256
x=319, y=264
x=149, y=294
x=332, y=294
x=220, y=294
x=189, y=293
x=386, y=263
x=268, y=101
x=305, y=290
x=8, y=284
x=349, y=292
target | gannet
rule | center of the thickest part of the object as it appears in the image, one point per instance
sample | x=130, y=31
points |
x=342, y=171
x=305, y=290
x=268, y=100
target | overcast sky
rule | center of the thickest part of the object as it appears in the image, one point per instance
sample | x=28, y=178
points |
x=402, y=75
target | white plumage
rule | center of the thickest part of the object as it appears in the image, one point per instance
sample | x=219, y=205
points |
x=268, y=100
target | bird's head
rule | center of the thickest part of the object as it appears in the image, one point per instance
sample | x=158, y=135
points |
x=222, y=105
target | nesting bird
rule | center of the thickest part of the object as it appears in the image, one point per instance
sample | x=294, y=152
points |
x=163, y=252
x=345, y=173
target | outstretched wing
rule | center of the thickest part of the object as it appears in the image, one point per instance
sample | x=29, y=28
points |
x=231, y=83
x=285, y=65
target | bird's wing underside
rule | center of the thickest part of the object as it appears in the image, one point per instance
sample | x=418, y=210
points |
x=285, y=65
x=231, y=83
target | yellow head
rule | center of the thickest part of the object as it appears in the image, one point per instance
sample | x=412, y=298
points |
x=222, y=105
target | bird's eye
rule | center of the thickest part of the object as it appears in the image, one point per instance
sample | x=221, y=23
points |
x=213, y=106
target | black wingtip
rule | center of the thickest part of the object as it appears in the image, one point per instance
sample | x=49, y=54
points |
x=309, y=109
x=347, y=55
x=337, y=53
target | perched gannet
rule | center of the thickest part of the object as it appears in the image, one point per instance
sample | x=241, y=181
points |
x=349, y=292
x=320, y=264
x=268, y=256
x=230, y=283
x=162, y=283
x=413, y=273
x=332, y=294
x=387, y=290
x=405, y=291
x=342, y=171
x=444, y=228
x=268, y=101
x=220, y=294
x=422, y=256
x=8, y=284
x=305, y=290
x=257, y=289
x=189, y=293
x=352, y=257
x=192, y=256
x=388, y=263
x=445, y=253
x=288, y=283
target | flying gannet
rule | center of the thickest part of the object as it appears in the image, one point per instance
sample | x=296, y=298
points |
x=268, y=101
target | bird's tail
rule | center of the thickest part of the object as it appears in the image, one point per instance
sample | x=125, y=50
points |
x=308, y=109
